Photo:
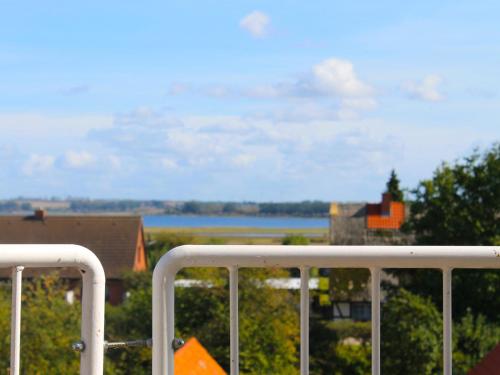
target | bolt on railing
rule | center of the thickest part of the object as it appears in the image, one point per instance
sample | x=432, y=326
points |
x=374, y=258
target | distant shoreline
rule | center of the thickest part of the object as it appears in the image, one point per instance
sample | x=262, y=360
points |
x=146, y=213
x=307, y=208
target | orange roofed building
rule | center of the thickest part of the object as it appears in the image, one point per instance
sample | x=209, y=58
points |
x=193, y=359
x=385, y=215
x=369, y=223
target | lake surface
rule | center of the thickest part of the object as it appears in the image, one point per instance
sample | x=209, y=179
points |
x=234, y=221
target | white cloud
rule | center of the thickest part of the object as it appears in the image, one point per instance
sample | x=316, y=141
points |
x=274, y=156
x=332, y=77
x=256, y=23
x=337, y=77
x=335, y=80
x=38, y=163
x=178, y=88
x=428, y=89
x=168, y=163
x=244, y=160
x=218, y=91
x=114, y=161
x=263, y=91
x=207, y=145
x=75, y=159
x=75, y=90
x=38, y=125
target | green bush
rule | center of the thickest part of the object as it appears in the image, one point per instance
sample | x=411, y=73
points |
x=295, y=239
x=411, y=335
x=473, y=338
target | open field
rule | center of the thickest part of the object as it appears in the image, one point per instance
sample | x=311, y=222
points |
x=241, y=235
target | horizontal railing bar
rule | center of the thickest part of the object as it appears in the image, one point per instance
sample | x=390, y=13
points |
x=438, y=257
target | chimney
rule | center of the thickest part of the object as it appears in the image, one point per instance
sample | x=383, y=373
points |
x=40, y=214
x=386, y=204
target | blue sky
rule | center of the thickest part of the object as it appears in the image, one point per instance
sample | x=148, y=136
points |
x=241, y=100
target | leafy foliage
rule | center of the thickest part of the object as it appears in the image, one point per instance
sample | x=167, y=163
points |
x=340, y=347
x=411, y=335
x=268, y=321
x=162, y=243
x=460, y=205
x=295, y=239
x=346, y=283
x=393, y=187
x=473, y=337
x=48, y=327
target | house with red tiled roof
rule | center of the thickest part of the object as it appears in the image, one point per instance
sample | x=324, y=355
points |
x=193, y=359
x=118, y=242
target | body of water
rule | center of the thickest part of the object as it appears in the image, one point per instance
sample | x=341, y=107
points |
x=234, y=221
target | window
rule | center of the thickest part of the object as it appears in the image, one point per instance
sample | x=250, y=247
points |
x=361, y=311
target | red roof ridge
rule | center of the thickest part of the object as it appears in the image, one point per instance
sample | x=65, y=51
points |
x=489, y=365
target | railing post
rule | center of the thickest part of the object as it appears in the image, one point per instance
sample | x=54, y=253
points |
x=15, y=330
x=375, y=292
x=304, y=320
x=234, y=318
x=447, y=322
x=163, y=320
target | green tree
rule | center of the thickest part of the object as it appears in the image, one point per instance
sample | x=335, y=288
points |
x=411, y=335
x=393, y=187
x=268, y=321
x=131, y=320
x=461, y=203
x=48, y=327
x=460, y=206
x=340, y=347
x=473, y=338
x=160, y=243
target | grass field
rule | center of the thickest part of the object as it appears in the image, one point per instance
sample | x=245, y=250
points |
x=240, y=235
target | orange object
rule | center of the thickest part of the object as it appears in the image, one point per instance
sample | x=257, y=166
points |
x=193, y=359
x=385, y=215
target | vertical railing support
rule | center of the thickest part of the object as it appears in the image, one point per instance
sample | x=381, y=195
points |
x=375, y=292
x=163, y=320
x=234, y=320
x=447, y=322
x=304, y=320
x=15, y=326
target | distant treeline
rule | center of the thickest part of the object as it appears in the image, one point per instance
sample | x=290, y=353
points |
x=113, y=205
x=13, y=206
x=305, y=208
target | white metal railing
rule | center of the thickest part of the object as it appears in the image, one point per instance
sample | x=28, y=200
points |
x=374, y=258
x=19, y=257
